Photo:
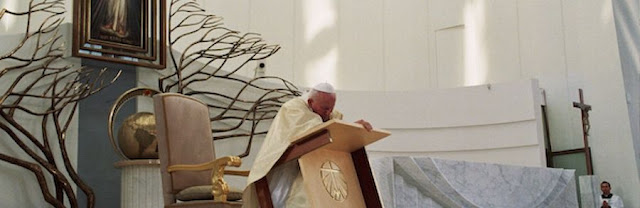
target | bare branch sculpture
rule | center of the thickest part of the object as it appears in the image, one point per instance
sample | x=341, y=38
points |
x=42, y=87
x=210, y=51
x=45, y=89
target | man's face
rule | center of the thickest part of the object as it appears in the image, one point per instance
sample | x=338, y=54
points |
x=322, y=104
x=605, y=188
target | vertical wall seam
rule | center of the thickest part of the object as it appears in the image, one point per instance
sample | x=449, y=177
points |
x=385, y=80
x=519, y=39
x=293, y=42
x=564, y=49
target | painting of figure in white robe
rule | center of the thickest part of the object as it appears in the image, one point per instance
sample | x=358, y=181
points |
x=117, y=21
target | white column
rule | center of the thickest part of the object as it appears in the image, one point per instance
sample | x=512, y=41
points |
x=141, y=183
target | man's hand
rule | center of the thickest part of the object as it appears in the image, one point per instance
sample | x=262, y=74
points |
x=605, y=204
x=365, y=124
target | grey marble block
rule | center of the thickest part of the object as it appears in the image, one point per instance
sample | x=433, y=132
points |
x=431, y=182
x=589, y=191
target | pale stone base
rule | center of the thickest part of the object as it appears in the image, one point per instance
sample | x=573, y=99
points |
x=141, y=184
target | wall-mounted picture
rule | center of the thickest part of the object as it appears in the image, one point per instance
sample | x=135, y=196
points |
x=122, y=31
x=118, y=22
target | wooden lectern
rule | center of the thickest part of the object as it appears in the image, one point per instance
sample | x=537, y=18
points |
x=334, y=166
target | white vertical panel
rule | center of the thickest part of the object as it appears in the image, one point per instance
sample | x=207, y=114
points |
x=500, y=31
x=450, y=57
x=442, y=15
x=274, y=19
x=542, y=52
x=360, y=46
x=316, y=42
x=445, y=14
x=490, y=40
x=235, y=13
x=236, y=17
x=405, y=45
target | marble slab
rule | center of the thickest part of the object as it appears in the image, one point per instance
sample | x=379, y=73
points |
x=432, y=182
x=589, y=190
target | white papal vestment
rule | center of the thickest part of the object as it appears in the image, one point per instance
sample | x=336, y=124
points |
x=285, y=181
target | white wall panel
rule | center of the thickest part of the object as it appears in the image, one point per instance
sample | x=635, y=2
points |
x=235, y=13
x=445, y=17
x=498, y=26
x=237, y=17
x=316, y=48
x=405, y=45
x=403, y=109
x=463, y=138
x=360, y=46
x=439, y=108
x=446, y=14
x=526, y=155
x=500, y=116
x=274, y=19
x=485, y=104
x=449, y=60
x=542, y=53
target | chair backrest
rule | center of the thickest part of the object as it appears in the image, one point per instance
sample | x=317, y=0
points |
x=184, y=137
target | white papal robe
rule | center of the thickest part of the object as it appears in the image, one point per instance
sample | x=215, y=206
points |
x=285, y=181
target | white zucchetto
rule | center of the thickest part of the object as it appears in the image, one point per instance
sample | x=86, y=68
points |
x=324, y=87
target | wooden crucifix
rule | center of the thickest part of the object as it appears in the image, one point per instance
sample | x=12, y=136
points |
x=584, y=109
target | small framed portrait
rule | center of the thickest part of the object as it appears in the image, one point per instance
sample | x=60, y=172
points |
x=122, y=31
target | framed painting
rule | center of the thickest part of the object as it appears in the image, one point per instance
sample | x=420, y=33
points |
x=123, y=31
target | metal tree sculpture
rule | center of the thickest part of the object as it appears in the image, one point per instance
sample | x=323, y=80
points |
x=213, y=54
x=42, y=88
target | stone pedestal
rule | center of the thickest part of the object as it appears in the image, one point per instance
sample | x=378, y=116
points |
x=589, y=191
x=141, y=183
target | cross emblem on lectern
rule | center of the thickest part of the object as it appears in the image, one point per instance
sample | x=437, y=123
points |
x=333, y=181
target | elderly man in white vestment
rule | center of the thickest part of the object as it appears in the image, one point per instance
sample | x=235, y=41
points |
x=295, y=117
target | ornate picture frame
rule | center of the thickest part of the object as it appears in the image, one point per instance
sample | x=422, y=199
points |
x=123, y=31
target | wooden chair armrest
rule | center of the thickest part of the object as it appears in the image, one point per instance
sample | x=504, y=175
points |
x=237, y=172
x=195, y=167
x=205, y=166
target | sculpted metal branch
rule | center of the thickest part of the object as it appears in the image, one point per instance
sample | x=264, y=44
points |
x=40, y=87
x=211, y=53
